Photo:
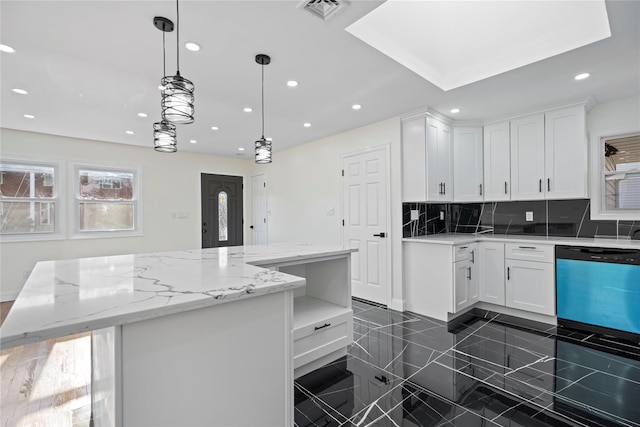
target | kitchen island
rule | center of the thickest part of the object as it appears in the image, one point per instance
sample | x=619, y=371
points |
x=195, y=337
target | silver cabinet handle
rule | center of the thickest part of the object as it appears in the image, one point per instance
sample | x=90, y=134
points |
x=540, y=185
x=469, y=273
x=526, y=247
x=473, y=257
x=481, y=189
x=508, y=273
x=505, y=187
x=548, y=184
x=323, y=326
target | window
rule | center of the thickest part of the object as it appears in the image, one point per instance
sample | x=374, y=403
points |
x=222, y=216
x=616, y=194
x=106, y=201
x=29, y=200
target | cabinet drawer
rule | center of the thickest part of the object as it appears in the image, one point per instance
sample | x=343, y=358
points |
x=460, y=253
x=317, y=340
x=529, y=252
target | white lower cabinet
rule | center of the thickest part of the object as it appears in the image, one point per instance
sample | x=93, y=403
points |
x=530, y=283
x=492, y=272
x=465, y=276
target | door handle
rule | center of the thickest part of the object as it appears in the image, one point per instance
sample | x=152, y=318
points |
x=444, y=188
x=505, y=187
x=540, y=185
x=326, y=325
x=469, y=273
x=473, y=257
x=481, y=189
x=548, y=184
x=508, y=273
x=383, y=235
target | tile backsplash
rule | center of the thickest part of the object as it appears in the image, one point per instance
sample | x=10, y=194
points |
x=561, y=218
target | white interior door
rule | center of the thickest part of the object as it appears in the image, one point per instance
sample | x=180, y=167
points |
x=366, y=210
x=259, y=203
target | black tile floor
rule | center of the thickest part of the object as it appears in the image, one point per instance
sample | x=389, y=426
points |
x=409, y=370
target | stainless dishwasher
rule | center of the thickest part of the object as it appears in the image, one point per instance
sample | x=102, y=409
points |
x=598, y=290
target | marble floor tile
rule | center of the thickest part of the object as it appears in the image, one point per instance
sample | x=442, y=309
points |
x=409, y=370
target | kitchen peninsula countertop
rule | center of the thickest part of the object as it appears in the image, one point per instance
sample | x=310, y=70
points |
x=464, y=238
x=70, y=296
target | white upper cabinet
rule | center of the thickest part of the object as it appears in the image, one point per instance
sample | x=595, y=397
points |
x=527, y=158
x=414, y=157
x=566, y=164
x=439, y=161
x=497, y=160
x=467, y=164
x=427, y=172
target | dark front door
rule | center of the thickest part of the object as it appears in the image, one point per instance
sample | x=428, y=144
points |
x=221, y=210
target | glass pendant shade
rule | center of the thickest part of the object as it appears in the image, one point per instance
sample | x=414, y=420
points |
x=263, y=151
x=165, y=138
x=177, y=99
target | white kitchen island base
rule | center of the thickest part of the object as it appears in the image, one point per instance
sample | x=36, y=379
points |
x=225, y=365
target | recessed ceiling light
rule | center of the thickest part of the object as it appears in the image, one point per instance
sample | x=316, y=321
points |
x=5, y=48
x=247, y=110
x=193, y=141
x=194, y=47
x=214, y=128
x=292, y=83
x=307, y=125
x=29, y=116
x=241, y=149
x=129, y=132
x=356, y=106
x=20, y=91
x=582, y=76
x=455, y=110
x=143, y=115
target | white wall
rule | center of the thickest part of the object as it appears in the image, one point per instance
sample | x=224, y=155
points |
x=304, y=182
x=615, y=115
x=171, y=183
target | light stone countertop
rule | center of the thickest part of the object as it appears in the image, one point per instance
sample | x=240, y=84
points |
x=461, y=239
x=70, y=296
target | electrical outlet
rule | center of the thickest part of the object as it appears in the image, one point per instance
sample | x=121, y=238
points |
x=415, y=214
x=529, y=216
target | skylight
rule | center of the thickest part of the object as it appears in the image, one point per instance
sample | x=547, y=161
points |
x=455, y=43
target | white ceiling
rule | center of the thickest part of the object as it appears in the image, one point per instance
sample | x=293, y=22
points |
x=90, y=66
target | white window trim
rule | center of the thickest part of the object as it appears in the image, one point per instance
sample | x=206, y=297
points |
x=74, y=194
x=60, y=206
x=597, y=210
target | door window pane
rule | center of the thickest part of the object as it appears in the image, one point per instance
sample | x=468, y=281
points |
x=222, y=217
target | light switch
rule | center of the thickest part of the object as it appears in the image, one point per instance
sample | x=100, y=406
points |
x=529, y=216
x=415, y=214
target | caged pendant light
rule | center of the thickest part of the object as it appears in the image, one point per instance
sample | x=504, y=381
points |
x=165, y=139
x=263, y=147
x=177, y=92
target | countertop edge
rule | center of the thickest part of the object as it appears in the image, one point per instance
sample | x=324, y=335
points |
x=455, y=239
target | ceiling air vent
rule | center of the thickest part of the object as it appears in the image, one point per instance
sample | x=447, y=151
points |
x=323, y=8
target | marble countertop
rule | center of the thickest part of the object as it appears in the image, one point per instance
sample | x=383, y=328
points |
x=460, y=239
x=70, y=296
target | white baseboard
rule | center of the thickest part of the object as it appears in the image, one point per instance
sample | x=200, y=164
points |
x=397, y=304
x=8, y=296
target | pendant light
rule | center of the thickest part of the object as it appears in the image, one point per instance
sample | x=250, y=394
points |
x=177, y=92
x=165, y=139
x=263, y=147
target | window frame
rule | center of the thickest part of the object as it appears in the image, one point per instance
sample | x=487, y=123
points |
x=75, y=201
x=59, y=212
x=597, y=173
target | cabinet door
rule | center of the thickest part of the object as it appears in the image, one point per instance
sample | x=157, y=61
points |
x=467, y=164
x=462, y=276
x=474, y=273
x=531, y=286
x=492, y=272
x=439, y=161
x=414, y=156
x=527, y=158
x=566, y=165
x=497, y=160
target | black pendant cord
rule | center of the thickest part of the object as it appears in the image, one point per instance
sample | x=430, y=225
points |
x=178, y=36
x=262, y=101
x=164, y=57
